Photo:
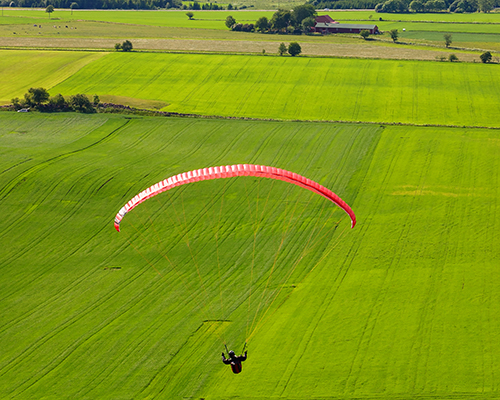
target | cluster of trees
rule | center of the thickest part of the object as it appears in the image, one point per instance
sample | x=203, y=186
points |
x=39, y=99
x=299, y=20
x=293, y=49
x=116, y=4
x=204, y=6
x=343, y=4
x=125, y=46
x=420, y=6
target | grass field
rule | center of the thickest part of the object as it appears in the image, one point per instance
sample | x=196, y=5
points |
x=21, y=70
x=404, y=306
x=299, y=88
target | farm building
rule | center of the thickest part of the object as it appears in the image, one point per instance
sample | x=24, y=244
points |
x=324, y=18
x=325, y=24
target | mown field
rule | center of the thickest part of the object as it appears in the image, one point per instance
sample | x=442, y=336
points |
x=274, y=87
x=404, y=305
x=299, y=88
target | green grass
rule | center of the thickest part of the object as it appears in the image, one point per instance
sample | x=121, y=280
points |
x=202, y=19
x=411, y=26
x=445, y=17
x=405, y=305
x=21, y=70
x=299, y=88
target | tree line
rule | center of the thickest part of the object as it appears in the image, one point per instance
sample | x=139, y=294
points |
x=116, y=4
x=415, y=6
x=343, y=4
x=426, y=6
x=38, y=98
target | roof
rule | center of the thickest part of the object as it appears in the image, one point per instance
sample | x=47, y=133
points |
x=344, y=26
x=324, y=18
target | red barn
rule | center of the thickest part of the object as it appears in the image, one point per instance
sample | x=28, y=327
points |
x=324, y=19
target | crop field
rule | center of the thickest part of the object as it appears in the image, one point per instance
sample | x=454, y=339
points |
x=299, y=88
x=22, y=70
x=404, y=305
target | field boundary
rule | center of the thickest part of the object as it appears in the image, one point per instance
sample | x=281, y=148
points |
x=109, y=108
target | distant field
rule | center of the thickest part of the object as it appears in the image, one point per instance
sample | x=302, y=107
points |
x=89, y=28
x=403, y=306
x=178, y=18
x=299, y=88
x=445, y=17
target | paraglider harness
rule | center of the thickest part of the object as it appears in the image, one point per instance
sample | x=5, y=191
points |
x=233, y=360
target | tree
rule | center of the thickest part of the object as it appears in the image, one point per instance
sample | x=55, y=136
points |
x=447, y=39
x=72, y=6
x=486, y=5
x=57, y=102
x=417, y=6
x=262, y=24
x=81, y=103
x=230, y=21
x=127, y=45
x=294, y=49
x=118, y=46
x=452, y=57
x=485, y=57
x=282, y=49
x=302, y=12
x=97, y=100
x=365, y=33
x=190, y=15
x=308, y=23
x=281, y=19
x=36, y=96
x=49, y=9
x=394, y=35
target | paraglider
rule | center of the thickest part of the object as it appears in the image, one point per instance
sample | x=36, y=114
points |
x=266, y=263
x=234, y=360
x=231, y=171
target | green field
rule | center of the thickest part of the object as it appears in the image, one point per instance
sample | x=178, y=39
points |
x=403, y=306
x=274, y=87
x=299, y=88
x=22, y=70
